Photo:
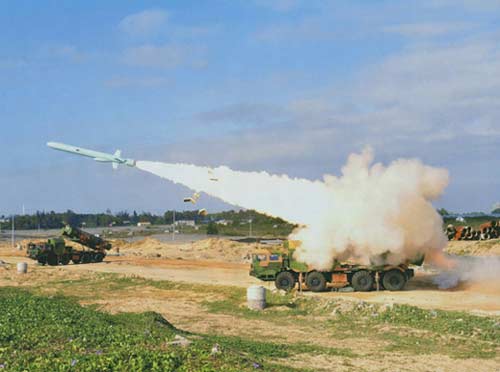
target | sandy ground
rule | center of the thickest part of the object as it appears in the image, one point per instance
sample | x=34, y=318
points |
x=220, y=261
x=475, y=248
x=223, y=262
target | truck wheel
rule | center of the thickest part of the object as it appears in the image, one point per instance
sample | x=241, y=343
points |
x=285, y=281
x=52, y=259
x=362, y=281
x=42, y=260
x=394, y=280
x=86, y=258
x=65, y=259
x=99, y=257
x=315, y=281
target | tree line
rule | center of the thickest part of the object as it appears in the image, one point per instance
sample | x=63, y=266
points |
x=54, y=220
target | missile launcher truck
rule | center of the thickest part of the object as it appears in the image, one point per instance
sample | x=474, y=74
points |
x=55, y=251
x=278, y=265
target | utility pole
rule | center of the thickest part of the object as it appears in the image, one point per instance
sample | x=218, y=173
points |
x=250, y=227
x=13, y=235
x=173, y=225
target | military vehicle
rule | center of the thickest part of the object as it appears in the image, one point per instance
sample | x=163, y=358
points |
x=278, y=265
x=55, y=251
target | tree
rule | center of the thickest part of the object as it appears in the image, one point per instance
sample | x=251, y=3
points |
x=212, y=229
x=443, y=212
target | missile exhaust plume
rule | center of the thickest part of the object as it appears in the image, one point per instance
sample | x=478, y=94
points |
x=369, y=210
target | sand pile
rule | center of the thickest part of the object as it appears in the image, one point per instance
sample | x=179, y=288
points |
x=7, y=250
x=215, y=249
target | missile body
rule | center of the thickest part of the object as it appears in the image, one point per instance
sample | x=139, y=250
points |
x=96, y=155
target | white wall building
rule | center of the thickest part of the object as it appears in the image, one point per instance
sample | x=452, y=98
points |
x=224, y=222
x=185, y=223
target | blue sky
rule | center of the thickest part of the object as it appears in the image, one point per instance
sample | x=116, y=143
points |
x=286, y=86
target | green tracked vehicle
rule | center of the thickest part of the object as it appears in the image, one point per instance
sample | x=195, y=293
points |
x=278, y=265
x=55, y=251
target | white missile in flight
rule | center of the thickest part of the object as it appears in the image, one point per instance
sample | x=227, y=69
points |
x=102, y=157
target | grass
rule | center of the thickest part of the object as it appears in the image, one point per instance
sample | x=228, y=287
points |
x=443, y=322
x=278, y=350
x=400, y=329
x=39, y=333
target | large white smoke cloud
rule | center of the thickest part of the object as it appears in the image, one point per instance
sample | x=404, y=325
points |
x=371, y=209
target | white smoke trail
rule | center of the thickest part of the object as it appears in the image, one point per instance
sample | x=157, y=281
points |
x=368, y=211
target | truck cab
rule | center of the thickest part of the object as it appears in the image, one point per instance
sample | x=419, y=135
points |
x=266, y=264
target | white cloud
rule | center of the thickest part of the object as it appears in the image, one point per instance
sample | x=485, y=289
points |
x=434, y=101
x=164, y=56
x=144, y=23
x=452, y=86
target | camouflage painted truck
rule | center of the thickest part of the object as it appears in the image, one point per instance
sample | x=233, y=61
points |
x=278, y=265
x=55, y=251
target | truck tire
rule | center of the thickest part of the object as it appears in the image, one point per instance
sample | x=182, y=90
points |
x=315, y=281
x=52, y=259
x=42, y=260
x=394, y=280
x=98, y=257
x=86, y=258
x=362, y=281
x=65, y=259
x=285, y=281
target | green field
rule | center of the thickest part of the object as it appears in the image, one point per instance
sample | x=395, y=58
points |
x=40, y=333
x=44, y=328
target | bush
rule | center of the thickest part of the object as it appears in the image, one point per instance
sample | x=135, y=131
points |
x=212, y=229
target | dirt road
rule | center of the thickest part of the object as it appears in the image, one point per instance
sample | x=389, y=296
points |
x=479, y=298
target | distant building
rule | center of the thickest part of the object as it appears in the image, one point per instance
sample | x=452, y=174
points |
x=224, y=222
x=145, y=223
x=185, y=223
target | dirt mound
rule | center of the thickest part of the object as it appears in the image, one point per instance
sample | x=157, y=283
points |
x=7, y=250
x=208, y=249
x=474, y=248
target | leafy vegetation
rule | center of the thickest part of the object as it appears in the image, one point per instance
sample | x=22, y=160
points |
x=51, y=333
x=41, y=334
x=212, y=229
